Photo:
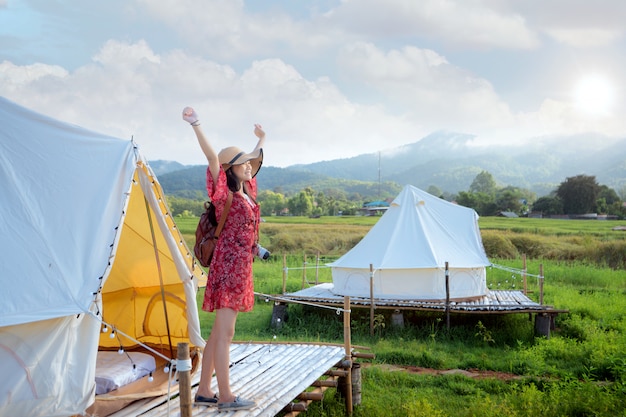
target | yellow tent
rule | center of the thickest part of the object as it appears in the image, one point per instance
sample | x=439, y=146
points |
x=87, y=244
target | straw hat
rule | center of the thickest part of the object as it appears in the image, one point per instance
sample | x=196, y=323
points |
x=234, y=156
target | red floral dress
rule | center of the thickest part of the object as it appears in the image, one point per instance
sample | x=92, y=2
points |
x=230, y=283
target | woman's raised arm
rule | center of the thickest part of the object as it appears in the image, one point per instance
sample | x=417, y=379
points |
x=190, y=115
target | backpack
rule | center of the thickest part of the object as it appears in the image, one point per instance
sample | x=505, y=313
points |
x=208, y=231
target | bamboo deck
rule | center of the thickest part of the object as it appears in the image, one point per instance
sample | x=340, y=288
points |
x=494, y=302
x=273, y=375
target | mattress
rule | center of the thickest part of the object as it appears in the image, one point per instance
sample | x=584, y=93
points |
x=114, y=370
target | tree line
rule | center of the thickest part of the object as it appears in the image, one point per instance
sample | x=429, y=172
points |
x=576, y=195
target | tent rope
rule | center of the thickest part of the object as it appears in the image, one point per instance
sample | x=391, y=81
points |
x=268, y=297
x=158, y=261
x=515, y=270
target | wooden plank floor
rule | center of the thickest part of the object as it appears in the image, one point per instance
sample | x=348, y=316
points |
x=273, y=375
x=500, y=301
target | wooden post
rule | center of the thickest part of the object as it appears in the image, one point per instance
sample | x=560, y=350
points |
x=542, y=325
x=372, y=307
x=348, y=352
x=447, y=273
x=540, y=284
x=317, y=268
x=524, y=273
x=184, y=380
x=304, y=271
x=284, y=273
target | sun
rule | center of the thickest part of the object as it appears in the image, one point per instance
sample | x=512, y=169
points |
x=594, y=94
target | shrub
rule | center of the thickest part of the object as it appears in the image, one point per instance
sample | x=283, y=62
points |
x=498, y=245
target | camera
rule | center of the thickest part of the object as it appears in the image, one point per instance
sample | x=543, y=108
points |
x=262, y=253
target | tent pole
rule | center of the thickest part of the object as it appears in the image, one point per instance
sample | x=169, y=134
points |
x=541, y=278
x=447, y=296
x=524, y=273
x=158, y=261
x=284, y=273
x=317, y=268
x=372, y=307
x=303, y=271
x=347, y=338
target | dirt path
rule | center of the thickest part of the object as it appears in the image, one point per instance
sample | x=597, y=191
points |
x=471, y=373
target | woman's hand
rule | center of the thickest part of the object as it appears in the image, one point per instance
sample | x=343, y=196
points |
x=190, y=115
x=258, y=131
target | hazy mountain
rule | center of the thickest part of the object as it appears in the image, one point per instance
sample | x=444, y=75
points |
x=447, y=160
x=161, y=167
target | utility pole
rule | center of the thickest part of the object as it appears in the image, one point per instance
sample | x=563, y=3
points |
x=380, y=197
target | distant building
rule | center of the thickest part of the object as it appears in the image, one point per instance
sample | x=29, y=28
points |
x=509, y=214
x=374, y=208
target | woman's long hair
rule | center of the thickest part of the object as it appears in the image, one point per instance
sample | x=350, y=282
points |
x=234, y=184
x=231, y=180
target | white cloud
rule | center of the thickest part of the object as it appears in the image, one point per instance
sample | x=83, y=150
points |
x=14, y=75
x=226, y=30
x=585, y=38
x=131, y=91
x=466, y=23
x=426, y=86
x=577, y=23
x=359, y=77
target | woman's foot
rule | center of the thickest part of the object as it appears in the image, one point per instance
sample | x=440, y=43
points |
x=210, y=401
x=237, y=404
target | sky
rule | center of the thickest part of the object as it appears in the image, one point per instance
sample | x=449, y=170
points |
x=327, y=79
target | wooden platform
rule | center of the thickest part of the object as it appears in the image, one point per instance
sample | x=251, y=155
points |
x=273, y=375
x=499, y=302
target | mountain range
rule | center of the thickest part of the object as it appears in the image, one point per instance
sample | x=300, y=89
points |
x=448, y=160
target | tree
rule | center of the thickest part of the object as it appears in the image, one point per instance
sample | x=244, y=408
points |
x=301, y=204
x=481, y=202
x=483, y=183
x=579, y=194
x=271, y=203
x=509, y=200
x=179, y=205
x=548, y=205
x=609, y=194
x=434, y=190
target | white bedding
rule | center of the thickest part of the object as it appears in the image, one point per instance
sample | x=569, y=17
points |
x=114, y=370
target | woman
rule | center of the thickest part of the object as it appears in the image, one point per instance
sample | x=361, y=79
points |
x=229, y=288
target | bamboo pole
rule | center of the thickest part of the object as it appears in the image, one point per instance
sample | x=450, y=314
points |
x=284, y=273
x=363, y=355
x=337, y=373
x=524, y=274
x=541, y=284
x=317, y=268
x=372, y=306
x=447, y=273
x=325, y=383
x=184, y=380
x=348, y=342
x=314, y=396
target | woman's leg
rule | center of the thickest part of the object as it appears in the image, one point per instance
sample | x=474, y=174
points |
x=208, y=366
x=223, y=332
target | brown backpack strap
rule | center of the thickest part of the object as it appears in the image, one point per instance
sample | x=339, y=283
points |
x=222, y=221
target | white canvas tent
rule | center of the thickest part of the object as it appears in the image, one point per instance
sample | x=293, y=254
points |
x=408, y=248
x=85, y=235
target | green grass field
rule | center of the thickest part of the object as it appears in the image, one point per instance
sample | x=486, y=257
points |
x=579, y=371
